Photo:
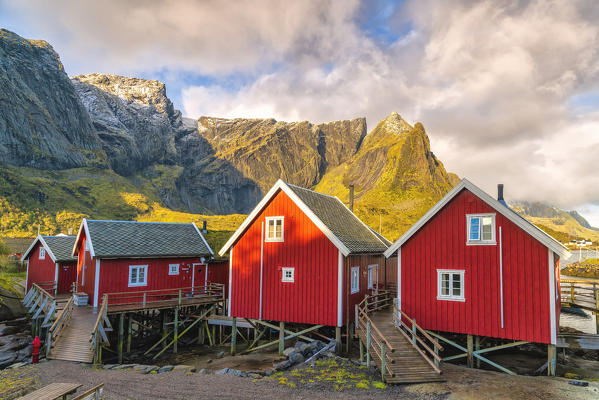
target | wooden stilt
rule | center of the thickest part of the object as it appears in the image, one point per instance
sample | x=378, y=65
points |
x=338, y=339
x=477, y=348
x=551, y=360
x=121, y=334
x=164, y=328
x=470, y=351
x=361, y=351
x=201, y=333
x=281, y=337
x=233, y=336
x=129, y=332
x=176, y=330
x=368, y=344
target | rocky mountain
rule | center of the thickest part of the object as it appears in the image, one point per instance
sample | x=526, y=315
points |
x=43, y=123
x=395, y=174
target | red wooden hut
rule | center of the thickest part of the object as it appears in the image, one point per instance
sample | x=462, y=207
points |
x=49, y=259
x=473, y=266
x=302, y=257
x=125, y=256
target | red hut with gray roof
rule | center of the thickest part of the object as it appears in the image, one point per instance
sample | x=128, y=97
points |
x=302, y=257
x=50, y=263
x=125, y=256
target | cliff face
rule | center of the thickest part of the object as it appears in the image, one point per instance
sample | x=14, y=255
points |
x=43, y=123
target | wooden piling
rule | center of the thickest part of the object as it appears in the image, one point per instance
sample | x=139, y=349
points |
x=339, y=346
x=176, y=329
x=551, y=360
x=164, y=328
x=129, y=332
x=470, y=351
x=361, y=351
x=121, y=334
x=477, y=348
x=233, y=336
x=281, y=337
x=368, y=343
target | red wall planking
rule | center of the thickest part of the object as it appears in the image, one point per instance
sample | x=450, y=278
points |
x=218, y=272
x=441, y=244
x=86, y=272
x=351, y=299
x=67, y=274
x=312, y=297
x=40, y=270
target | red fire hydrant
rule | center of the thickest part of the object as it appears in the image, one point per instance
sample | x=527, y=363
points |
x=35, y=354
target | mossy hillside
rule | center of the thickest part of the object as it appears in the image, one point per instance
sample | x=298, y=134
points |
x=565, y=228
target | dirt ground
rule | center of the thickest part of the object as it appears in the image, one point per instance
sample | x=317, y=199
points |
x=462, y=383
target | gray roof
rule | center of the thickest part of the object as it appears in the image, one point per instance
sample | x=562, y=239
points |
x=343, y=223
x=61, y=247
x=127, y=239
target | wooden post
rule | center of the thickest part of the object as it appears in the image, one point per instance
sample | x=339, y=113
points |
x=361, y=351
x=164, y=328
x=470, y=347
x=121, y=334
x=201, y=333
x=233, y=336
x=338, y=339
x=48, y=341
x=368, y=344
x=176, y=329
x=281, y=337
x=348, y=338
x=129, y=326
x=477, y=348
x=551, y=360
x=383, y=361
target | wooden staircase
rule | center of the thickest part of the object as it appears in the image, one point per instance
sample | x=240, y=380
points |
x=410, y=354
x=73, y=343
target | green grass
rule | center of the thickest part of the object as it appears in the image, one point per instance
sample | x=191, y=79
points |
x=591, y=261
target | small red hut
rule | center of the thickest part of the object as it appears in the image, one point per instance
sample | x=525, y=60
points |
x=126, y=256
x=49, y=259
x=473, y=266
x=302, y=257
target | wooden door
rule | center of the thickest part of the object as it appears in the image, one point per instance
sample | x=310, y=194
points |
x=67, y=274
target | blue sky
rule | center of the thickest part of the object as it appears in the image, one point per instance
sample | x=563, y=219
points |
x=507, y=91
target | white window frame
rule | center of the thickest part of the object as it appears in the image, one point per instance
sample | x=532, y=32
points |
x=267, y=238
x=451, y=296
x=174, y=271
x=480, y=241
x=42, y=253
x=284, y=271
x=136, y=284
x=371, y=271
x=355, y=279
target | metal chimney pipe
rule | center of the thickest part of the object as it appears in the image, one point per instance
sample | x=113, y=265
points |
x=205, y=226
x=500, y=192
x=351, y=197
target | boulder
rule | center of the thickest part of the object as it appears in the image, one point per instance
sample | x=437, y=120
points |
x=296, y=357
x=166, y=368
x=282, y=365
x=289, y=350
x=220, y=354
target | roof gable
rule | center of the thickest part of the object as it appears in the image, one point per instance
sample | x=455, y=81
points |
x=341, y=226
x=507, y=212
x=58, y=247
x=132, y=239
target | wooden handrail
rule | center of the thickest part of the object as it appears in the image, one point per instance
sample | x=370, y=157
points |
x=43, y=291
x=87, y=394
x=67, y=309
x=424, y=333
x=363, y=313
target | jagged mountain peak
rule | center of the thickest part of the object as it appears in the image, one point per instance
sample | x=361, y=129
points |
x=393, y=123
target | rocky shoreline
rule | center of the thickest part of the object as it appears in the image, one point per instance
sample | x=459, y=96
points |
x=15, y=342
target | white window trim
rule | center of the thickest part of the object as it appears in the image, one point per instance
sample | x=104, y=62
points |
x=171, y=272
x=275, y=239
x=371, y=271
x=480, y=242
x=42, y=253
x=145, y=283
x=451, y=296
x=285, y=279
x=357, y=288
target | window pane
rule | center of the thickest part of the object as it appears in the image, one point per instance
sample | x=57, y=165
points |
x=474, y=229
x=133, y=275
x=487, y=228
x=141, y=275
x=457, y=285
x=279, y=226
x=271, y=228
x=445, y=284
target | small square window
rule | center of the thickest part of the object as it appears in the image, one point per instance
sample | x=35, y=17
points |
x=355, y=279
x=481, y=229
x=451, y=284
x=42, y=253
x=173, y=269
x=138, y=275
x=274, y=229
x=288, y=275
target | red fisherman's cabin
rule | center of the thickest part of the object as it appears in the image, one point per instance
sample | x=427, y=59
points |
x=302, y=257
x=125, y=256
x=473, y=266
x=50, y=263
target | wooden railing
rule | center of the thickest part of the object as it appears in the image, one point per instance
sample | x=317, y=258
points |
x=425, y=344
x=149, y=298
x=376, y=343
x=48, y=286
x=61, y=321
x=94, y=393
x=98, y=336
x=583, y=293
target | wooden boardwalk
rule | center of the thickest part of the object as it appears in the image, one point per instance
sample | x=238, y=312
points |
x=408, y=365
x=74, y=343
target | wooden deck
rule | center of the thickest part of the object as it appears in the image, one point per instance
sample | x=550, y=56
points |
x=408, y=365
x=52, y=392
x=581, y=293
x=74, y=344
x=162, y=304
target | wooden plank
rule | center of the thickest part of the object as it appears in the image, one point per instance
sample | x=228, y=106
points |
x=52, y=391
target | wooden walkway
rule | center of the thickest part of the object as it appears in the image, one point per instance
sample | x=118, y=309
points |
x=408, y=365
x=74, y=343
x=53, y=391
